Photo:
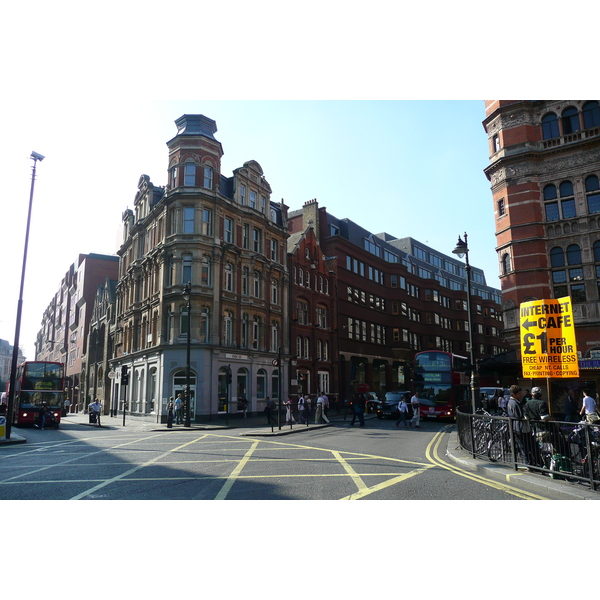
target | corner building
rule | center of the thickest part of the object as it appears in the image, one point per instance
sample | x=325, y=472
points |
x=544, y=172
x=226, y=238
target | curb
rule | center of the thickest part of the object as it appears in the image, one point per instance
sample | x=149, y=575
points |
x=537, y=481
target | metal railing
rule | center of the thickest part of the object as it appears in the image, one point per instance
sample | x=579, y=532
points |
x=561, y=449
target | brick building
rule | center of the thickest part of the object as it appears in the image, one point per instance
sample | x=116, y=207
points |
x=544, y=172
x=393, y=297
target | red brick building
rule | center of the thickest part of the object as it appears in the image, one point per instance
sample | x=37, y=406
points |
x=544, y=172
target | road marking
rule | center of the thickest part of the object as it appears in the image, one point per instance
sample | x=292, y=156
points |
x=432, y=453
x=130, y=471
x=235, y=473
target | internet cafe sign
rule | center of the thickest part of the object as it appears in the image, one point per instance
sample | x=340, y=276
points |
x=548, y=347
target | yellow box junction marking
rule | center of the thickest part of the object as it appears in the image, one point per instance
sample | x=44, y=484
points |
x=548, y=346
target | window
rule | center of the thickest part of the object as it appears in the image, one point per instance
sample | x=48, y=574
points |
x=573, y=255
x=591, y=114
x=205, y=272
x=263, y=204
x=245, y=281
x=274, y=336
x=593, y=194
x=174, y=177
x=256, y=282
x=229, y=277
x=252, y=199
x=261, y=384
x=229, y=230
x=501, y=207
x=256, y=333
x=496, y=142
x=302, y=312
x=321, y=317
x=183, y=321
x=274, y=250
x=550, y=126
x=570, y=120
x=188, y=219
x=228, y=328
x=275, y=291
x=207, y=222
x=244, y=330
x=246, y=236
x=186, y=271
x=204, y=325
x=557, y=257
x=505, y=264
x=567, y=202
x=189, y=174
x=256, y=239
x=208, y=177
x=242, y=194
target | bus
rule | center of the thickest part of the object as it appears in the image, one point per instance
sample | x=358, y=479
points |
x=37, y=382
x=441, y=382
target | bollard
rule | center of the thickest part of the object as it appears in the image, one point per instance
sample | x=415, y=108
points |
x=2, y=427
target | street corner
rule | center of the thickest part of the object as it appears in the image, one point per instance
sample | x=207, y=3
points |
x=14, y=439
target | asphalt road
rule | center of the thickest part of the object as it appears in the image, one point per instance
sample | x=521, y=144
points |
x=377, y=462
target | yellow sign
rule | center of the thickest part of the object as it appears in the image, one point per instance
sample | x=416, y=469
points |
x=548, y=347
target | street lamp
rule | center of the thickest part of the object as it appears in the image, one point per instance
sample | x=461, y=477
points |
x=187, y=297
x=15, y=357
x=462, y=249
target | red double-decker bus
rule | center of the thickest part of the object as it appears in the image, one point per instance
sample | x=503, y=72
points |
x=441, y=382
x=37, y=382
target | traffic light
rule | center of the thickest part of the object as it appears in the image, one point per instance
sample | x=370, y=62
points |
x=124, y=375
x=228, y=375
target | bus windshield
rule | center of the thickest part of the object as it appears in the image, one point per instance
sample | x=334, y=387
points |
x=30, y=400
x=42, y=376
x=434, y=394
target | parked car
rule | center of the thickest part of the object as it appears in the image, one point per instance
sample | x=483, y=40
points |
x=389, y=405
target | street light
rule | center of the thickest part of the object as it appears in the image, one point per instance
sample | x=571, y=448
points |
x=15, y=357
x=462, y=249
x=187, y=297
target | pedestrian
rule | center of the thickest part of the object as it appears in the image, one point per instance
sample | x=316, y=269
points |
x=416, y=408
x=178, y=404
x=170, y=405
x=503, y=404
x=44, y=413
x=570, y=406
x=301, y=410
x=320, y=414
x=243, y=406
x=588, y=410
x=358, y=410
x=96, y=408
x=67, y=405
x=269, y=410
x=535, y=408
x=494, y=402
x=289, y=417
x=402, y=410
x=521, y=428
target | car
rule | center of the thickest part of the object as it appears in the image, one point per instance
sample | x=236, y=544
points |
x=373, y=402
x=389, y=405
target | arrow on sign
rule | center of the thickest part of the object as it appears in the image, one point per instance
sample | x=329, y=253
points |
x=527, y=324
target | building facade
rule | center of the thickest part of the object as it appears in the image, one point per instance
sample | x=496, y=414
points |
x=393, y=298
x=225, y=238
x=314, y=366
x=544, y=171
x=63, y=336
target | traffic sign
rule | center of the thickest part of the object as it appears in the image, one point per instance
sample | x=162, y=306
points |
x=548, y=346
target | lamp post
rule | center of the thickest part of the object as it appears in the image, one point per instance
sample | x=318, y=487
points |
x=187, y=297
x=462, y=249
x=15, y=356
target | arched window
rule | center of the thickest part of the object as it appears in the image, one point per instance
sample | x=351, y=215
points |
x=229, y=277
x=274, y=336
x=550, y=126
x=550, y=192
x=570, y=120
x=573, y=255
x=591, y=114
x=505, y=264
x=228, y=328
x=566, y=189
x=567, y=202
x=206, y=272
x=557, y=257
x=261, y=384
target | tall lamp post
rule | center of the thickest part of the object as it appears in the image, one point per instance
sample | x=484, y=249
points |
x=15, y=356
x=187, y=297
x=462, y=249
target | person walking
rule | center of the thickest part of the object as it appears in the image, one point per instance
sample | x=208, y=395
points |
x=301, y=411
x=289, y=417
x=320, y=414
x=170, y=406
x=96, y=408
x=570, y=406
x=402, y=410
x=588, y=410
x=269, y=410
x=416, y=408
x=178, y=404
x=358, y=410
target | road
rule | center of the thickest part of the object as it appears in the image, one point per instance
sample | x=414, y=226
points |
x=377, y=462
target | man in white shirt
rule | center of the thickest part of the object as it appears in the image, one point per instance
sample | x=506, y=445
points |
x=320, y=413
x=589, y=408
x=96, y=407
x=416, y=407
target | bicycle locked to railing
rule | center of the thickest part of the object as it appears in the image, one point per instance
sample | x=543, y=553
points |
x=559, y=449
